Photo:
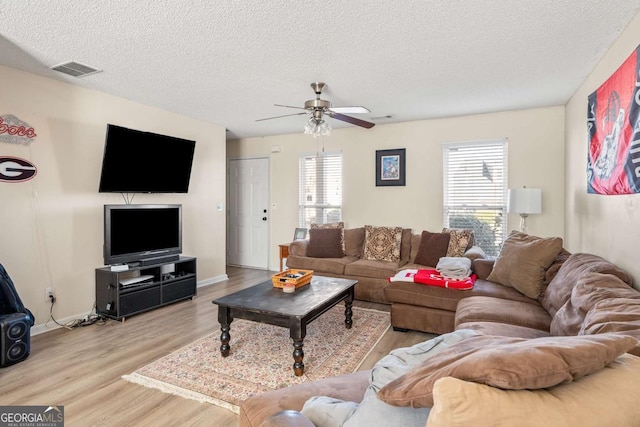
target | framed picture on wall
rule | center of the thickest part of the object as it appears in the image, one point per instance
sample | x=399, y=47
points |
x=390, y=167
x=300, y=234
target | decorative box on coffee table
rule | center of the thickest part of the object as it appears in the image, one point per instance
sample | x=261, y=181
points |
x=296, y=277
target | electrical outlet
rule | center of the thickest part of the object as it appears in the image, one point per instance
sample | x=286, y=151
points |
x=48, y=294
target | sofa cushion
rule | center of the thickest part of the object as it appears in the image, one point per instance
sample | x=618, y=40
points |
x=325, y=411
x=523, y=261
x=405, y=246
x=490, y=309
x=382, y=243
x=459, y=242
x=354, y=242
x=616, y=315
x=607, y=397
x=433, y=246
x=591, y=288
x=443, y=298
x=576, y=265
x=335, y=225
x=508, y=363
x=503, y=330
x=325, y=243
x=320, y=265
x=371, y=268
x=555, y=265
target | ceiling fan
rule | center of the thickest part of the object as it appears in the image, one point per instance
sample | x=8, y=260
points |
x=318, y=108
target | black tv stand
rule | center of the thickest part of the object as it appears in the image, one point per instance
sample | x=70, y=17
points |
x=118, y=296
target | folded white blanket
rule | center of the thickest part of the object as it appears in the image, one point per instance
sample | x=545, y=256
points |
x=454, y=267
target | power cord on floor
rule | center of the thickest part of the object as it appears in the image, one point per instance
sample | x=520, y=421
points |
x=90, y=319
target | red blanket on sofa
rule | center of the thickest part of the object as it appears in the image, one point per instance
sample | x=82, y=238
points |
x=433, y=278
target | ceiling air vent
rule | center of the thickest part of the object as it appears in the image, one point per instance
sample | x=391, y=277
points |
x=75, y=69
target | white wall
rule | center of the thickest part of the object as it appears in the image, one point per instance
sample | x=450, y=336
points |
x=603, y=225
x=52, y=225
x=535, y=159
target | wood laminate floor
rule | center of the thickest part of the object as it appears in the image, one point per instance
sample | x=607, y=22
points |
x=81, y=369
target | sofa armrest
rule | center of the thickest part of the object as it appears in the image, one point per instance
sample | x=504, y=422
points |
x=299, y=247
x=482, y=267
x=287, y=418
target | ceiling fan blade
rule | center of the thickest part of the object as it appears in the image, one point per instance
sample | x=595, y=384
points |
x=350, y=110
x=277, y=117
x=289, y=106
x=352, y=120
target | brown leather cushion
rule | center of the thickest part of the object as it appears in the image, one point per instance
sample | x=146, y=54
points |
x=490, y=309
x=590, y=289
x=433, y=246
x=559, y=289
x=579, y=403
x=523, y=261
x=507, y=363
x=325, y=243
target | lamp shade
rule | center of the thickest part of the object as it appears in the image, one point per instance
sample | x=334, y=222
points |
x=524, y=200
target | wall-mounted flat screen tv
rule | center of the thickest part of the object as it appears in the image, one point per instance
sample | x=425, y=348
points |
x=142, y=233
x=143, y=162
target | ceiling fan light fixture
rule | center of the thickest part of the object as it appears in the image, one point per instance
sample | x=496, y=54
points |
x=317, y=127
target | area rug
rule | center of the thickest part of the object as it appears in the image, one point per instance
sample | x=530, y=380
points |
x=261, y=358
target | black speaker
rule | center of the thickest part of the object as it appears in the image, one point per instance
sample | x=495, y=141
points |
x=15, y=338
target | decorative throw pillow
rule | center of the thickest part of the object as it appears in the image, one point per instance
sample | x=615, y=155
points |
x=459, y=241
x=580, y=403
x=338, y=225
x=325, y=243
x=433, y=246
x=523, y=261
x=508, y=363
x=382, y=243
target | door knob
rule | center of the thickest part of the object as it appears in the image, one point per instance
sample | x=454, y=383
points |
x=264, y=218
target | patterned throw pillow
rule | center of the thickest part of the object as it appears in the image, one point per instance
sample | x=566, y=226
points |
x=382, y=243
x=339, y=225
x=459, y=242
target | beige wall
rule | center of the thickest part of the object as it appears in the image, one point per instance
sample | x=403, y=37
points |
x=51, y=226
x=535, y=159
x=604, y=225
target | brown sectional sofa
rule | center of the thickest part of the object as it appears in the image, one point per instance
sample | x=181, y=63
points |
x=583, y=294
x=372, y=275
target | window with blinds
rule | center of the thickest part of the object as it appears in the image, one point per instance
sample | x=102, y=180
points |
x=475, y=190
x=320, y=184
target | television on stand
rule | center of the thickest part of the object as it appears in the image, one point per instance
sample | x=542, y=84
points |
x=144, y=162
x=142, y=234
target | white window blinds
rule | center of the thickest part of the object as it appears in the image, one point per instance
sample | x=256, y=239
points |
x=475, y=190
x=320, y=186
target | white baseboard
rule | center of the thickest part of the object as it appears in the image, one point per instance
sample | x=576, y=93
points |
x=50, y=325
x=212, y=280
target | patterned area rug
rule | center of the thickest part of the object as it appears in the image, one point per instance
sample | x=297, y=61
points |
x=261, y=358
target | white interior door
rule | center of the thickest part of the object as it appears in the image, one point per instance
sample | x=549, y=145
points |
x=248, y=213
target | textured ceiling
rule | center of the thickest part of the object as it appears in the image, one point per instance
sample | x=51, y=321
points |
x=228, y=62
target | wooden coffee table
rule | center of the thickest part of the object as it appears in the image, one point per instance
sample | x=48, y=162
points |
x=266, y=304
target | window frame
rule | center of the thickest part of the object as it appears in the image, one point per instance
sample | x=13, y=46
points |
x=325, y=206
x=490, y=217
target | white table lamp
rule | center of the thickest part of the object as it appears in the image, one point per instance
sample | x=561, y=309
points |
x=524, y=201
